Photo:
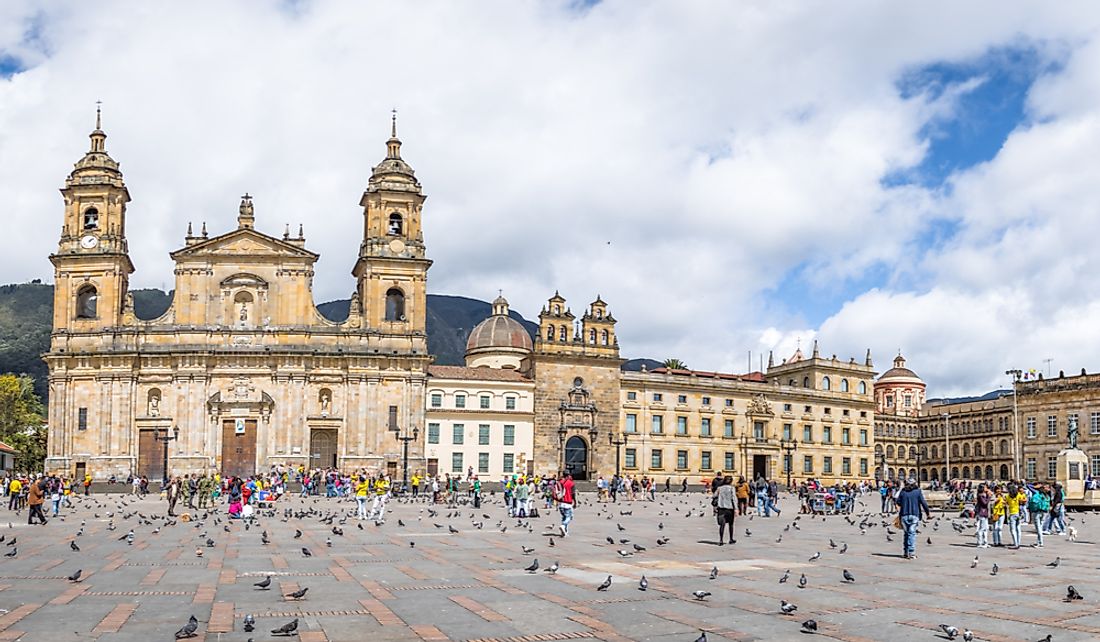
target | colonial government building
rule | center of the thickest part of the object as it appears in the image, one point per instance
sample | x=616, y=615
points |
x=251, y=375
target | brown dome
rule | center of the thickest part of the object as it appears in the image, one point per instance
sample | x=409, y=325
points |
x=499, y=331
x=899, y=372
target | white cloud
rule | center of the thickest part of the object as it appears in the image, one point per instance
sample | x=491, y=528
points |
x=680, y=159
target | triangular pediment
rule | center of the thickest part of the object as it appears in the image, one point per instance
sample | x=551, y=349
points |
x=243, y=242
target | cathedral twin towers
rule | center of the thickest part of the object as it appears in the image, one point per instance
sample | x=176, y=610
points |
x=241, y=364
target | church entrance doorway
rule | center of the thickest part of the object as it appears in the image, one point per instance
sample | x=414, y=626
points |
x=150, y=455
x=238, y=447
x=322, y=448
x=760, y=466
x=576, y=458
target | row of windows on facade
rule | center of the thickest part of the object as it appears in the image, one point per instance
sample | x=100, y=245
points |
x=508, y=463
x=1031, y=466
x=1072, y=418
x=827, y=384
x=759, y=430
x=484, y=434
x=966, y=472
x=907, y=401
x=729, y=403
x=563, y=335
x=484, y=401
x=706, y=462
x=969, y=427
x=894, y=430
x=937, y=451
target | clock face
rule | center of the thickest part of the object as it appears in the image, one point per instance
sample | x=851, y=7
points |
x=397, y=246
x=88, y=242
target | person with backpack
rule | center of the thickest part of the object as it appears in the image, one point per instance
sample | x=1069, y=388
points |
x=1039, y=506
x=982, y=504
x=1057, y=516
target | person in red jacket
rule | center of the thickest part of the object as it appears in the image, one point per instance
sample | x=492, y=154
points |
x=565, y=503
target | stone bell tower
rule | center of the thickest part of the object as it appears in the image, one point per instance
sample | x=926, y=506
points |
x=92, y=265
x=392, y=271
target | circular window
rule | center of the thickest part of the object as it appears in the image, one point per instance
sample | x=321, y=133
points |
x=578, y=382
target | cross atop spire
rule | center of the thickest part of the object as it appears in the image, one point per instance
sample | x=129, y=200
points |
x=98, y=137
x=393, y=145
x=97, y=114
x=246, y=217
x=393, y=123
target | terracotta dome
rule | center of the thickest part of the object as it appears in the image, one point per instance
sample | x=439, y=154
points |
x=899, y=373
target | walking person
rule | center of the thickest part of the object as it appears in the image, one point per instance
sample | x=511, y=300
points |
x=36, y=496
x=1039, y=506
x=566, y=500
x=1057, y=516
x=997, y=514
x=911, y=504
x=1015, y=499
x=381, y=492
x=742, y=495
x=15, y=489
x=725, y=500
x=361, y=490
x=981, y=512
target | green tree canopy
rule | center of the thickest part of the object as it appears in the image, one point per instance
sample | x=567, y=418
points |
x=21, y=421
x=674, y=364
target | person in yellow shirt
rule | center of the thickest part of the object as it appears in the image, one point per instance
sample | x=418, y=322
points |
x=15, y=490
x=362, y=488
x=87, y=483
x=1014, y=499
x=381, y=494
x=415, y=481
x=997, y=514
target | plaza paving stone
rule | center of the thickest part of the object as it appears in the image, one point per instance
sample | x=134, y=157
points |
x=472, y=586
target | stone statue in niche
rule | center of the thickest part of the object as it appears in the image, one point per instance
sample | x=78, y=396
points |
x=154, y=405
x=326, y=403
x=244, y=312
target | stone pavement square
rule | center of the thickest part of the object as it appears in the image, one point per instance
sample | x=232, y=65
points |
x=420, y=581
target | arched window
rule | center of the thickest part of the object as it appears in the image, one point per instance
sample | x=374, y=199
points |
x=91, y=218
x=396, y=227
x=592, y=336
x=966, y=451
x=966, y=472
x=954, y=472
x=989, y=472
x=862, y=387
x=989, y=448
x=924, y=452
x=563, y=334
x=604, y=337
x=395, y=305
x=901, y=452
x=924, y=475
x=935, y=452
x=977, y=472
x=935, y=475
x=978, y=449
x=805, y=382
x=1004, y=447
x=557, y=309
x=1004, y=471
x=889, y=452
x=878, y=449
x=87, y=302
x=549, y=333
x=825, y=383
x=844, y=385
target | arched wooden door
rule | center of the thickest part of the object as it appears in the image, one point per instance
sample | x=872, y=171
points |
x=576, y=457
x=322, y=448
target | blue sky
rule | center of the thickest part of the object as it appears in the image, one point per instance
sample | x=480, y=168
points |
x=971, y=130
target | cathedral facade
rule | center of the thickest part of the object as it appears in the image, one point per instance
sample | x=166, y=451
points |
x=241, y=372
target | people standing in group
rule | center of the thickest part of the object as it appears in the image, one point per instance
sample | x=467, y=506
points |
x=725, y=503
x=982, y=505
x=997, y=510
x=911, y=504
x=381, y=496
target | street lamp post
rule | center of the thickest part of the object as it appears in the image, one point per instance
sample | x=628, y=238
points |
x=788, y=446
x=1015, y=374
x=617, y=443
x=164, y=439
x=947, y=445
x=405, y=439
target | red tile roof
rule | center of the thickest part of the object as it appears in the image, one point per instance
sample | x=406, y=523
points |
x=483, y=373
x=6, y=448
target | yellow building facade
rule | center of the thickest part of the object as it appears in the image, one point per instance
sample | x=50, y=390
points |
x=242, y=364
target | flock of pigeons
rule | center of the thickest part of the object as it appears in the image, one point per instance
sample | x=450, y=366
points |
x=334, y=517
